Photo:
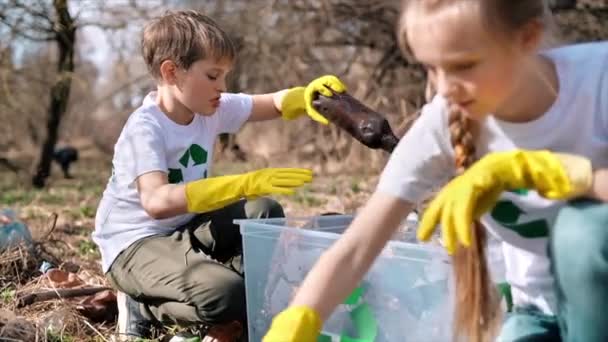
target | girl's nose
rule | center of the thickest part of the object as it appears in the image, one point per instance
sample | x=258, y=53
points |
x=446, y=87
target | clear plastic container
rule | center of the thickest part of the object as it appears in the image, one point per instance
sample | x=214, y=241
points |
x=406, y=296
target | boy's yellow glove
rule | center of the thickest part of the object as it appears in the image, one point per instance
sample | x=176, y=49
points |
x=470, y=195
x=217, y=192
x=295, y=324
x=298, y=100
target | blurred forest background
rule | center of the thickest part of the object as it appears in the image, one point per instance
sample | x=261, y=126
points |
x=71, y=70
x=71, y=73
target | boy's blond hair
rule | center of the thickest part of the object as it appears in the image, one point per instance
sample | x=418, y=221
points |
x=184, y=37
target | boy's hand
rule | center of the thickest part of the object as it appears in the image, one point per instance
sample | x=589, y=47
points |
x=295, y=324
x=470, y=195
x=275, y=181
x=298, y=100
x=217, y=192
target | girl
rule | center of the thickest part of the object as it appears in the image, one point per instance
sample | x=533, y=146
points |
x=538, y=122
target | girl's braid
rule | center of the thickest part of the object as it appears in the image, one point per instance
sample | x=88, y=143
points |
x=476, y=315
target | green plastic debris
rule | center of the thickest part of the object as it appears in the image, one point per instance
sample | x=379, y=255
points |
x=362, y=318
x=505, y=292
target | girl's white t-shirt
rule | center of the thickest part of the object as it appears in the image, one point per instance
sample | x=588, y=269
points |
x=577, y=123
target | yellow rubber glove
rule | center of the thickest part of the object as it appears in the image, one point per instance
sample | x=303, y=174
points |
x=298, y=101
x=470, y=195
x=217, y=192
x=295, y=324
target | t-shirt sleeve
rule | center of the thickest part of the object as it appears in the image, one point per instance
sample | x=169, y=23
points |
x=423, y=159
x=143, y=150
x=603, y=94
x=233, y=112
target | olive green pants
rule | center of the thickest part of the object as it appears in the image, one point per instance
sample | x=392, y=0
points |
x=195, y=274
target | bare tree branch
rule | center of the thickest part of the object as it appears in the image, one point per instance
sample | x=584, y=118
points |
x=40, y=37
x=42, y=14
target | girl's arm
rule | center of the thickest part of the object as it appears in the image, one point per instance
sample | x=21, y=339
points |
x=341, y=268
x=599, y=189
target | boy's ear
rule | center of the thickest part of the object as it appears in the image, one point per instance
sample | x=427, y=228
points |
x=168, y=72
x=530, y=36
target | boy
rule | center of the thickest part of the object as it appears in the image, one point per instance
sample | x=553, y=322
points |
x=169, y=264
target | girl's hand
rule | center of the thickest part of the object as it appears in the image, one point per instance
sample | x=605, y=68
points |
x=470, y=195
x=295, y=324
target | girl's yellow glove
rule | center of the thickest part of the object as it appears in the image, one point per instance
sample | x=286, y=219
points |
x=470, y=195
x=295, y=324
x=298, y=101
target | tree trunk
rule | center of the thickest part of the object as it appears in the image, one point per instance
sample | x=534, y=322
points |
x=65, y=36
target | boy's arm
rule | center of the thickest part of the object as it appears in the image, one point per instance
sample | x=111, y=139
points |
x=294, y=102
x=159, y=198
x=266, y=106
x=162, y=200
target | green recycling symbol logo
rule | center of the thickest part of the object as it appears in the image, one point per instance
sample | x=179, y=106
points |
x=362, y=317
x=507, y=214
x=197, y=154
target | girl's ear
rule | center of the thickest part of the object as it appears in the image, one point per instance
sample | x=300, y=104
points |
x=168, y=72
x=529, y=38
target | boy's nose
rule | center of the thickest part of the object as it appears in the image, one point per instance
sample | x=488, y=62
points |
x=221, y=87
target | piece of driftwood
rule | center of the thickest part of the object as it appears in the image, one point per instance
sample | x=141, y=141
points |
x=364, y=124
x=57, y=294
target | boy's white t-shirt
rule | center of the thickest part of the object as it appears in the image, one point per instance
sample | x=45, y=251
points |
x=150, y=141
x=576, y=123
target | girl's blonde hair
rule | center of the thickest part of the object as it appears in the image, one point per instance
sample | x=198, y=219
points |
x=477, y=309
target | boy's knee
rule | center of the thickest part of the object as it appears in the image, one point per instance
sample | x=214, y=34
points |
x=224, y=302
x=263, y=207
x=579, y=242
